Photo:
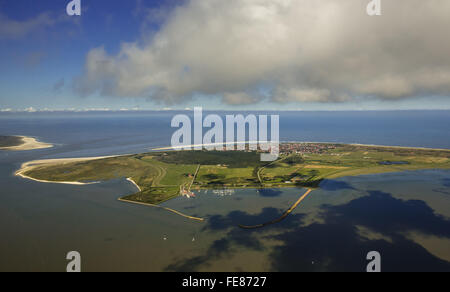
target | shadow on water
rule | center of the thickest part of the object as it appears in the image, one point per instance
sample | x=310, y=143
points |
x=337, y=245
x=235, y=237
x=446, y=182
x=334, y=185
x=270, y=193
x=334, y=244
x=233, y=219
x=444, y=191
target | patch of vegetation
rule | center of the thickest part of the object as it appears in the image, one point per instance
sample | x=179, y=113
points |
x=231, y=159
x=161, y=176
x=156, y=195
x=293, y=160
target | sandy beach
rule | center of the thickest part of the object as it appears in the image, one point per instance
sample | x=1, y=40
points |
x=28, y=143
x=134, y=183
x=27, y=166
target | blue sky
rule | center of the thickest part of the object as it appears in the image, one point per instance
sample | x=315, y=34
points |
x=43, y=53
x=35, y=64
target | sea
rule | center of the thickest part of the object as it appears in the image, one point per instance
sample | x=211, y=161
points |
x=403, y=216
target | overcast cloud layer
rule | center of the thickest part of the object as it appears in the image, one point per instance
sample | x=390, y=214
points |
x=296, y=50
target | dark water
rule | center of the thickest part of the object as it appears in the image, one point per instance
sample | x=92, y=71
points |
x=404, y=216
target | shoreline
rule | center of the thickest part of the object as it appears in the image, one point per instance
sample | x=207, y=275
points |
x=181, y=148
x=27, y=166
x=134, y=183
x=28, y=143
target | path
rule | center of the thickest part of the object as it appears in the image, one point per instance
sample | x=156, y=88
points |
x=165, y=208
x=262, y=168
x=283, y=216
x=195, y=176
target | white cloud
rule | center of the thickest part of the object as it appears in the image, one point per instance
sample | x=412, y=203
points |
x=15, y=29
x=30, y=110
x=307, y=51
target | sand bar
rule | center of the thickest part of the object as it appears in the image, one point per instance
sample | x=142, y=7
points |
x=28, y=143
x=28, y=166
x=134, y=183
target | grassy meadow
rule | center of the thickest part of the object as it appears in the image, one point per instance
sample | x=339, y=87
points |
x=162, y=175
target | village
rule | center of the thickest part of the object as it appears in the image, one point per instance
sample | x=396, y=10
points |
x=306, y=148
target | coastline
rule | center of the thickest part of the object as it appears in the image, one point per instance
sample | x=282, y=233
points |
x=134, y=183
x=27, y=166
x=369, y=145
x=178, y=148
x=28, y=143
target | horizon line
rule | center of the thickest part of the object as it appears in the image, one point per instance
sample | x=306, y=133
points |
x=100, y=110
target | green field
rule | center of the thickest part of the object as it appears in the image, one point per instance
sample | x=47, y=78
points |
x=347, y=160
x=161, y=176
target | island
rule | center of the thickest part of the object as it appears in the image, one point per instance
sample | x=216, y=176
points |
x=21, y=143
x=161, y=176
